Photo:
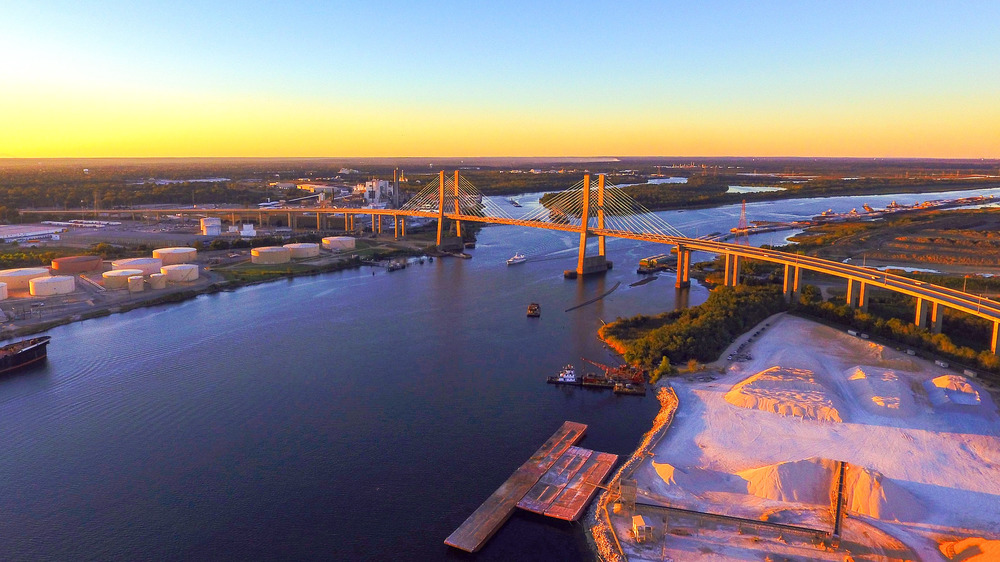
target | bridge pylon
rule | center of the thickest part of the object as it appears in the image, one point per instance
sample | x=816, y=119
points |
x=598, y=263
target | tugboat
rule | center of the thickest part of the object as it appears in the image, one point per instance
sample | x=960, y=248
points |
x=534, y=311
x=566, y=376
x=20, y=354
x=518, y=258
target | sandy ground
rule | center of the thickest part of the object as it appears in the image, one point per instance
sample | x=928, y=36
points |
x=763, y=439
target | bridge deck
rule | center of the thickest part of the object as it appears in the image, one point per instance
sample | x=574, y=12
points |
x=494, y=512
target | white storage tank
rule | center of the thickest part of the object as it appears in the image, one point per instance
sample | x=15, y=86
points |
x=180, y=272
x=135, y=283
x=3, y=291
x=338, y=243
x=48, y=286
x=270, y=255
x=18, y=278
x=118, y=278
x=211, y=226
x=170, y=256
x=147, y=266
x=303, y=250
x=158, y=281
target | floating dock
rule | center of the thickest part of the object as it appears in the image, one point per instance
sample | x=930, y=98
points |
x=566, y=488
x=558, y=481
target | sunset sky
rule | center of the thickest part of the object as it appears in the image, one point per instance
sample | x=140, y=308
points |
x=262, y=78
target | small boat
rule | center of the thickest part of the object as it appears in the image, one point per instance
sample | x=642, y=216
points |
x=534, y=310
x=566, y=376
x=518, y=258
x=514, y=202
x=17, y=355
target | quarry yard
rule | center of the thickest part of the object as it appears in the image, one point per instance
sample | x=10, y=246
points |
x=768, y=440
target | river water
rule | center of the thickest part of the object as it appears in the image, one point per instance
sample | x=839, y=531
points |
x=342, y=416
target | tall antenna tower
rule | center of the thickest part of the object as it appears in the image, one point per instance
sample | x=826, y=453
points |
x=742, y=229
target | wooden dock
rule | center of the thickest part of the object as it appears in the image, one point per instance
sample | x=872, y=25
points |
x=494, y=512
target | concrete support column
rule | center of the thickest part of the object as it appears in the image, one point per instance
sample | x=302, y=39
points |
x=440, y=205
x=789, y=286
x=291, y=223
x=373, y=222
x=937, y=317
x=921, y=316
x=600, y=214
x=379, y=223
x=402, y=226
x=995, y=340
x=584, y=218
x=395, y=226
x=852, y=293
x=736, y=270
x=729, y=270
x=683, y=262
x=863, y=297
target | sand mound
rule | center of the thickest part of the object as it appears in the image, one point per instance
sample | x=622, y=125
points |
x=669, y=473
x=881, y=391
x=785, y=391
x=972, y=549
x=805, y=481
x=952, y=390
x=869, y=493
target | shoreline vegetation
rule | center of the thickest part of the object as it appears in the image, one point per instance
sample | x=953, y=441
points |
x=697, y=333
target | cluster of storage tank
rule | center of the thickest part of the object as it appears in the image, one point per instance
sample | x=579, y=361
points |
x=272, y=255
x=167, y=264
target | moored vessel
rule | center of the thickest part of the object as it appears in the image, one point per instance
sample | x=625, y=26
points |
x=636, y=388
x=534, y=310
x=20, y=354
x=566, y=376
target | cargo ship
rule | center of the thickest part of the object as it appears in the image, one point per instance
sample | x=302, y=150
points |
x=20, y=354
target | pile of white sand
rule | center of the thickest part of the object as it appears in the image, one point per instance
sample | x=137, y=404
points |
x=952, y=390
x=806, y=481
x=881, y=391
x=972, y=549
x=785, y=391
x=869, y=493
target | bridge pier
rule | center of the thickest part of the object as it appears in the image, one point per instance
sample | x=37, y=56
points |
x=791, y=286
x=921, y=316
x=995, y=340
x=732, y=270
x=402, y=226
x=863, y=296
x=683, y=267
x=937, y=317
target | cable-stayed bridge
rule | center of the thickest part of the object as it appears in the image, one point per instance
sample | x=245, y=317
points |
x=593, y=208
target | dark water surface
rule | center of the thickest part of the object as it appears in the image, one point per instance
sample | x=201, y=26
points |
x=343, y=416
